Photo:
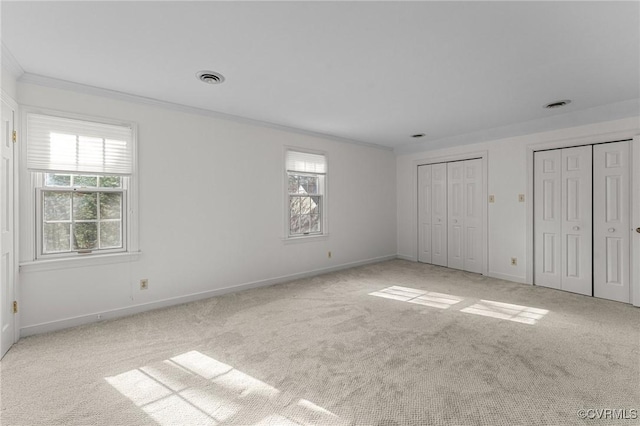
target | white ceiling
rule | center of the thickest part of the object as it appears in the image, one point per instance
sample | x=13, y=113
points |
x=375, y=72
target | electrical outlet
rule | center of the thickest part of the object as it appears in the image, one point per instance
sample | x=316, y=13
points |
x=514, y=261
x=144, y=284
x=492, y=198
x=521, y=198
x=329, y=254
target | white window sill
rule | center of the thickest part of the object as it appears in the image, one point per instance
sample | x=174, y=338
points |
x=78, y=261
x=305, y=239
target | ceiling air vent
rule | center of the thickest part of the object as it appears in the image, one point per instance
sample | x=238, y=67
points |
x=210, y=77
x=558, y=104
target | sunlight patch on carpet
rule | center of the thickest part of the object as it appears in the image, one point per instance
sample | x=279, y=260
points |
x=193, y=388
x=420, y=297
x=506, y=311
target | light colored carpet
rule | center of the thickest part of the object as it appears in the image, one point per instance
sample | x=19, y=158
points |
x=435, y=351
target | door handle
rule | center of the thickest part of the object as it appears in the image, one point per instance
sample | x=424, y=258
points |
x=576, y=228
x=612, y=229
x=638, y=230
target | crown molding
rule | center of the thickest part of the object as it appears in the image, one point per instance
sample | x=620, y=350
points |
x=610, y=112
x=55, y=83
x=10, y=64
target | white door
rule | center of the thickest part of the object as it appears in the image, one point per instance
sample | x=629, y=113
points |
x=611, y=225
x=547, y=218
x=424, y=214
x=455, y=198
x=7, y=267
x=577, y=220
x=562, y=219
x=472, y=216
x=439, y=214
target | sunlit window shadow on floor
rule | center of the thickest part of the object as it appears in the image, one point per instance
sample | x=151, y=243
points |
x=487, y=308
x=420, y=297
x=506, y=311
x=194, y=389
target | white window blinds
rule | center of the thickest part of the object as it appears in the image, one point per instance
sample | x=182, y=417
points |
x=56, y=144
x=304, y=162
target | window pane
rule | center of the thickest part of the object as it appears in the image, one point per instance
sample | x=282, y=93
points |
x=54, y=179
x=294, y=205
x=293, y=184
x=305, y=223
x=315, y=223
x=85, y=236
x=56, y=237
x=81, y=180
x=312, y=186
x=305, y=205
x=85, y=206
x=294, y=224
x=304, y=184
x=110, y=235
x=315, y=205
x=57, y=206
x=110, y=205
x=110, y=182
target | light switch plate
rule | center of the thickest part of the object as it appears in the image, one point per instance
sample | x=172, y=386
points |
x=492, y=198
x=521, y=198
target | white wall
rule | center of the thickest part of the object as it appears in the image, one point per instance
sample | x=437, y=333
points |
x=211, y=213
x=508, y=176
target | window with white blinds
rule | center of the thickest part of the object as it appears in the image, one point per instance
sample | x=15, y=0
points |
x=57, y=144
x=82, y=174
x=306, y=193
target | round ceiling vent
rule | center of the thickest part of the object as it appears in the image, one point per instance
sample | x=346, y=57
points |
x=558, y=104
x=210, y=77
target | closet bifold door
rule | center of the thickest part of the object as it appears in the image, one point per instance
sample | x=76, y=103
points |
x=464, y=179
x=424, y=214
x=547, y=221
x=472, y=218
x=439, y=214
x=455, y=198
x=562, y=219
x=577, y=221
x=611, y=221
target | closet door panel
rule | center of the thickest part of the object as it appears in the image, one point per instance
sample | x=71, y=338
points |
x=424, y=213
x=439, y=214
x=576, y=176
x=473, y=216
x=547, y=219
x=611, y=225
x=455, y=198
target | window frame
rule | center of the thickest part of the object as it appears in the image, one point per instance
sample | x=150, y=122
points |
x=322, y=194
x=32, y=185
x=42, y=188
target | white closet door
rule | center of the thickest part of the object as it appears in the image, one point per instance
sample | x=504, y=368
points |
x=576, y=219
x=439, y=214
x=424, y=214
x=547, y=218
x=455, y=196
x=472, y=221
x=611, y=221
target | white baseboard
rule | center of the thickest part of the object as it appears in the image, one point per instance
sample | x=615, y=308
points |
x=135, y=309
x=405, y=257
x=507, y=277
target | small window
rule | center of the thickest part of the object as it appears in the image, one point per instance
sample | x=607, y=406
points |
x=81, y=213
x=306, y=187
x=81, y=172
